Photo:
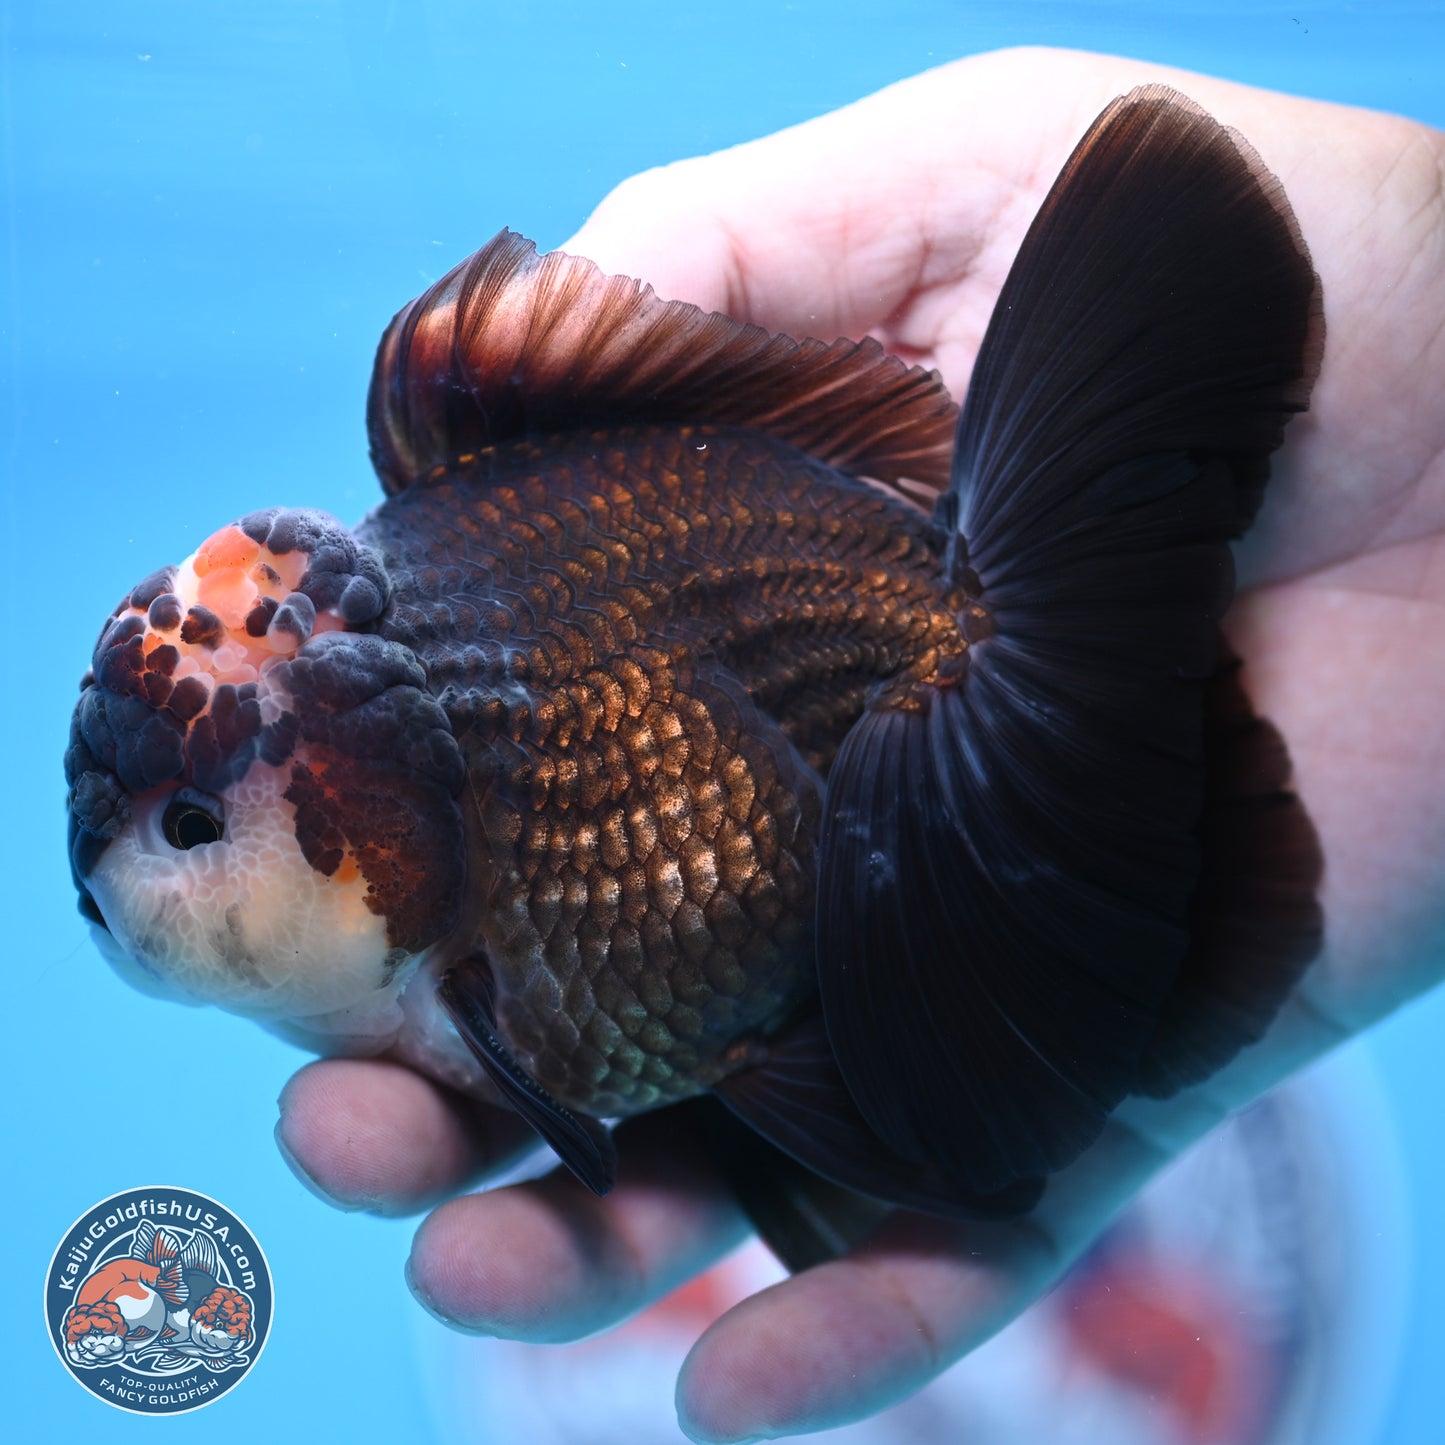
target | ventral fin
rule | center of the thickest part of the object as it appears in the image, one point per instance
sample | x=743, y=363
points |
x=510, y=344
x=1011, y=855
x=583, y=1145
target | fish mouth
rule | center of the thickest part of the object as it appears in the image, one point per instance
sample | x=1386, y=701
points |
x=88, y=910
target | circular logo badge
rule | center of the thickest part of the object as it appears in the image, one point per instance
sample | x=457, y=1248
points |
x=158, y=1300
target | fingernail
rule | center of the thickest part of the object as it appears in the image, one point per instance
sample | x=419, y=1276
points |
x=693, y=1434
x=429, y=1305
x=347, y=1206
x=703, y=1437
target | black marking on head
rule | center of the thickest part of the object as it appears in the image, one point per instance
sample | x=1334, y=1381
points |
x=189, y=698
x=158, y=688
x=98, y=802
x=126, y=735
x=363, y=696
x=361, y=600
x=258, y=619
x=297, y=616
x=137, y=726
x=202, y=627
x=140, y=727
x=341, y=572
x=120, y=650
x=277, y=740
x=221, y=744
x=380, y=778
x=164, y=614
x=98, y=805
x=154, y=586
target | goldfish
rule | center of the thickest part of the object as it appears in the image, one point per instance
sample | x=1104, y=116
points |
x=717, y=720
x=143, y=1302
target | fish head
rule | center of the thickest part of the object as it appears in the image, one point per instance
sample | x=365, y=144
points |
x=262, y=793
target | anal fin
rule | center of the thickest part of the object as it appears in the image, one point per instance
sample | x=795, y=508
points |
x=796, y=1099
x=583, y=1145
x=802, y=1217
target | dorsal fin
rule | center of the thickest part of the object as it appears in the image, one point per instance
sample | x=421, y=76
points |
x=145, y=1236
x=510, y=343
x=201, y=1254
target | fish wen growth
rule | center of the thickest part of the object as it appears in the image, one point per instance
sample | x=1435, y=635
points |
x=712, y=719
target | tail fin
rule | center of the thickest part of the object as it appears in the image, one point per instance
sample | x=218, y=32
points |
x=1011, y=857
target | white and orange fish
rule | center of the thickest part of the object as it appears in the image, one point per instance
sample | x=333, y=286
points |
x=143, y=1300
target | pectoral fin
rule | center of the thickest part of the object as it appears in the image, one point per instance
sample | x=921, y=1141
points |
x=583, y=1145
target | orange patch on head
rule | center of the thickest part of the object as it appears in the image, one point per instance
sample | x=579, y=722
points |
x=100, y=1319
x=230, y=547
x=229, y=593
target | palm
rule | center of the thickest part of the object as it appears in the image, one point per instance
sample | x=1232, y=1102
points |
x=907, y=232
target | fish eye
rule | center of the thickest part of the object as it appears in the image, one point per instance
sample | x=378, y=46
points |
x=191, y=819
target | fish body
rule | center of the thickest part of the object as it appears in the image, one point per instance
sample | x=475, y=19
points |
x=651, y=741
x=161, y=1294
x=648, y=688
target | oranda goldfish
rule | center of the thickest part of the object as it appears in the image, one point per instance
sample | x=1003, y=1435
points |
x=163, y=1296
x=652, y=740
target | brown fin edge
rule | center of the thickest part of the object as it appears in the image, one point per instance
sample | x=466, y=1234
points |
x=511, y=343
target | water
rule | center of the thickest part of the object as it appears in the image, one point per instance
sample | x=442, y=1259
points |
x=207, y=214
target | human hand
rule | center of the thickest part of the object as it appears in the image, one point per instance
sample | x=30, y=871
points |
x=900, y=216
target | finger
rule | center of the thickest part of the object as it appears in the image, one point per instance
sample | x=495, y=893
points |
x=840, y=1342
x=370, y=1134
x=548, y=1261
x=824, y=229
x=868, y=219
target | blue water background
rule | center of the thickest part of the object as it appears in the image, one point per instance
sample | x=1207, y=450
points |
x=207, y=214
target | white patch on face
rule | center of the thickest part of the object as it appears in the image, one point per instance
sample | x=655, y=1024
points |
x=244, y=922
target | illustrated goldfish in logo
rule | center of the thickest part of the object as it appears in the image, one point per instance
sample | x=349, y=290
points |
x=141, y=1301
